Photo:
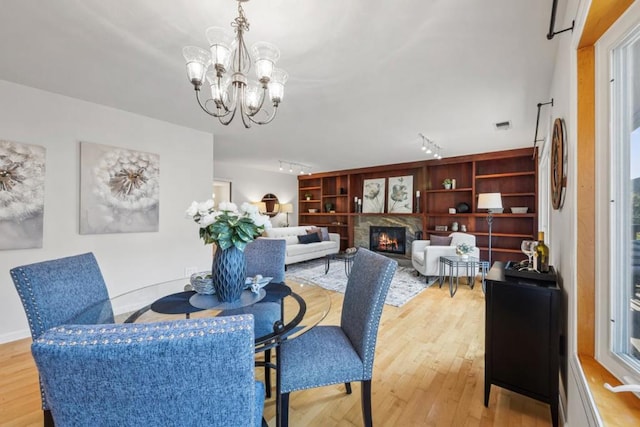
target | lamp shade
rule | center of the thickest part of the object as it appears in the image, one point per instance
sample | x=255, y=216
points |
x=489, y=201
x=262, y=206
x=286, y=208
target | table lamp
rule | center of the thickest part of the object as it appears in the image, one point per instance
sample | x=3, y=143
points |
x=489, y=201
x=262, y=207
x=286, y=208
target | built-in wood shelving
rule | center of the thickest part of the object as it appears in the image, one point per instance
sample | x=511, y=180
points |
x=513, y=173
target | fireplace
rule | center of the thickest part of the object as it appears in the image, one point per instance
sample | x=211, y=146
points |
x=387, y=239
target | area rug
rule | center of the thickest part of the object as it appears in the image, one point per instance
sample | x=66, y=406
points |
x=404, y=286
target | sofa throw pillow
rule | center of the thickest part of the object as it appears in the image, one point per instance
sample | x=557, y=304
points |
x=325, y=233
x=309, y=238
x=316, y=231
x=440, y=240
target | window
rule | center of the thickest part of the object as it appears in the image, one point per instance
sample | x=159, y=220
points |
x=618, y=197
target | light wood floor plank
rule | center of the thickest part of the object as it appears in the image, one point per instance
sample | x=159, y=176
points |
x=429, y=371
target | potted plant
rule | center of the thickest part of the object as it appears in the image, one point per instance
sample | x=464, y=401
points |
x=328, y=207
x=463, y=250
x=447, y=183
x=308, y=196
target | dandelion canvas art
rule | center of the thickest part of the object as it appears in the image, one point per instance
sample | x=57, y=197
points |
x=21, y=195
x=373, y=195
x=400, y=198
x=119, y=190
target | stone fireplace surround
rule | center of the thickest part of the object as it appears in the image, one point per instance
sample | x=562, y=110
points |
x=364, y=221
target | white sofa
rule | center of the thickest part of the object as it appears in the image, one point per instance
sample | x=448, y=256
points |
x=426, y=258
x=297, y=252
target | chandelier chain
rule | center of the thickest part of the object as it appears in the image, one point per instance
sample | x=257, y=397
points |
x=241, y=20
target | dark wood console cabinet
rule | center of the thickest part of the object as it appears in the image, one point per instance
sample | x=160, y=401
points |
x=522, y=337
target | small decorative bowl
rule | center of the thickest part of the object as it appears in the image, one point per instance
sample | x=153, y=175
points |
x=519, y=209
x=313, y=210
x=202, y=283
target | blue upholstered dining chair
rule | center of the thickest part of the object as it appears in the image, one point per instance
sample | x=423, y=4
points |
x=192, y=372
x=57, y=290
x=265, y=257
x=328, y=355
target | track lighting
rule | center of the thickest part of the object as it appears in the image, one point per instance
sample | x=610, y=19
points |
x=302, y=169
x=430, y=147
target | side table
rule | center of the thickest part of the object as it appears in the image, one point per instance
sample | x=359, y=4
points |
x=347, y=257
x=454, y=263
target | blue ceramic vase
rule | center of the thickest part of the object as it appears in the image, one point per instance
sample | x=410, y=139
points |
x=229, y=271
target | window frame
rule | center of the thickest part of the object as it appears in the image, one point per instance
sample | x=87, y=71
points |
x=609, y=190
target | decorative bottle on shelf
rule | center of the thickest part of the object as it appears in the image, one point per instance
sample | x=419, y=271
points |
x=541, y=257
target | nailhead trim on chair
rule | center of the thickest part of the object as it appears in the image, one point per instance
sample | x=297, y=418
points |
x=371, y=340
x=217, y=327
x=34, y=324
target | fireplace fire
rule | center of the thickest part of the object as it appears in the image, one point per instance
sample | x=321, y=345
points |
x=387, y=239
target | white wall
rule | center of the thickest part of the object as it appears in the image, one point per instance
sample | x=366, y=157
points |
x=127, y=261
x=250, y=185
x=562, y=233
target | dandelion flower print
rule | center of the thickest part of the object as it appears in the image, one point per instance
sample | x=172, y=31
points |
x=128, y=179
x=119, y=190
x=21, y=181
x=21, y=195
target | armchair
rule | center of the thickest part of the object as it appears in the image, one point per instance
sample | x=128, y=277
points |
x=426, y=258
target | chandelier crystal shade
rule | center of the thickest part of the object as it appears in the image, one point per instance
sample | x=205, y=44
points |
x=226, y=69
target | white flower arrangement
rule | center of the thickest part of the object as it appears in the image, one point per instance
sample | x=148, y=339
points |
x=464, y=249
x=228, y=226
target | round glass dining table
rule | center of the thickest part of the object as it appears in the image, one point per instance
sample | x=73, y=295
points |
x=304, y=305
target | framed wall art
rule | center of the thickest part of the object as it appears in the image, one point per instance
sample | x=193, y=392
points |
x=22, y=179
x=119, y=190
x=373, y=191
x=400, y=197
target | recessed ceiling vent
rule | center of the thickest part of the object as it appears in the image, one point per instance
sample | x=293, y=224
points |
x=503, y=125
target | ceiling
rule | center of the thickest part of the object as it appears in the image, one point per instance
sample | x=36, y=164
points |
x=365, y=76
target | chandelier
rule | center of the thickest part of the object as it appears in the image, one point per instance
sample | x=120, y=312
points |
x=230, y=88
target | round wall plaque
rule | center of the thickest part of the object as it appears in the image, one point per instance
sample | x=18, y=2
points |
x=558, y=170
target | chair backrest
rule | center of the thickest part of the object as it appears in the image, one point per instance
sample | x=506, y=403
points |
x=266, y=257
x=52, y=292
x=364, y=297
x=185, y=372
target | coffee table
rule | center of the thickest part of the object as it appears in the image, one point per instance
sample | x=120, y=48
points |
x=347, y=257
x=455, y=263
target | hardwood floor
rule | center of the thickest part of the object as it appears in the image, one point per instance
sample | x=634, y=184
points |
x=429, y=371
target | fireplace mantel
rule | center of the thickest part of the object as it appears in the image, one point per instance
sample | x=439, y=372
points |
x=363, y=222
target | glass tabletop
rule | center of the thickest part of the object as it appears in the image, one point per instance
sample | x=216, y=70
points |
x=458, y=258
x=305, y=304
